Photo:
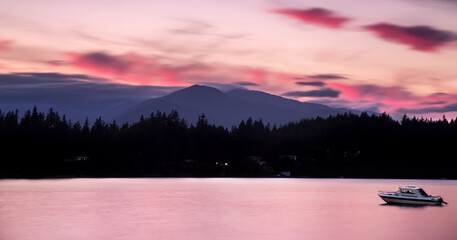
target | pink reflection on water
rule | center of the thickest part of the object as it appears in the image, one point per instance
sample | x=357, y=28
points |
x=219, y=209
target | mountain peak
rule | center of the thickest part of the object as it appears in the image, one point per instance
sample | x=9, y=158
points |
x=197, y=90
x=197, y=87
x=228, y=109
x=195, y=94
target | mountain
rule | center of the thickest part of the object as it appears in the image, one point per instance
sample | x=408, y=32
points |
x=76, y=96
x=311, y=109
x=230, y=108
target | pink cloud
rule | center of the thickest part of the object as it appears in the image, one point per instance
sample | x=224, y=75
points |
x=135, y=68
x=317, y=16
x=261, y=76
x=5, y=44
x=140, y=69
x=132, y=68
x=391, y=98
x=256, y=75
x=372, y=92
x=421, y=38
x=146, y=70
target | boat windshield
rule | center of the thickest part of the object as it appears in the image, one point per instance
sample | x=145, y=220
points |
x=406, y=191
x=422, y=192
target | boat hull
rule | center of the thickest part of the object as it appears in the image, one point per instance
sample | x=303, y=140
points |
x=395, y=200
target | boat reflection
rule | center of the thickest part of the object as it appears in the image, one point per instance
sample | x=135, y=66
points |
x=409, y=205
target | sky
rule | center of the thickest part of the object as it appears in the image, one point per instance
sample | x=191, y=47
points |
x=394, y=56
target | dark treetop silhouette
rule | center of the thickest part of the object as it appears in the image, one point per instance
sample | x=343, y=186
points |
x=349, y=145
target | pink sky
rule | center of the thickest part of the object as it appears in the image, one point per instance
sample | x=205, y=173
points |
x=398, y=56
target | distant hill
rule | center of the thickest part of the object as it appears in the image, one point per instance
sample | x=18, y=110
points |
x=228, y=109
x=76, y=96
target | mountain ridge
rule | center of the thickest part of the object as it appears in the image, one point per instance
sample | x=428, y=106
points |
x=229, y=108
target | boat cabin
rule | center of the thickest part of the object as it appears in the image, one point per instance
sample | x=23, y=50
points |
x=410, y=190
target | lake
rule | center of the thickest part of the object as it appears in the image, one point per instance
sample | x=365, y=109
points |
x=220, y=208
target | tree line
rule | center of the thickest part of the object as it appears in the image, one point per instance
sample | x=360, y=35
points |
x=37, y=145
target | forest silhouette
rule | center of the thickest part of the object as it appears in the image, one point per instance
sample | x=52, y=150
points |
x=47, y=145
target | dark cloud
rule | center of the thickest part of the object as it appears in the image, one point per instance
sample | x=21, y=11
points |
x=370, y=91
x=433, y=103
x=247, y=83
x=319, y=84
x=74, y=85
x=53, y=75
x=448, y=108
x=102, y=62
x=420, y=38
x=317, y=16
x=326, y=76
x=327, y=92
x=30, y=78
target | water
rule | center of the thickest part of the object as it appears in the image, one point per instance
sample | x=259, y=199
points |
x=215, y=209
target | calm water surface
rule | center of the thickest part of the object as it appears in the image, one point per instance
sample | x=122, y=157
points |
x=214, y=209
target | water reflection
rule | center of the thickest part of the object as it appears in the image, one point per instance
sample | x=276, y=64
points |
x=218, y=209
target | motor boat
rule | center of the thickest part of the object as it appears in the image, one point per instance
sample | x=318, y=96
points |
x=411, y=195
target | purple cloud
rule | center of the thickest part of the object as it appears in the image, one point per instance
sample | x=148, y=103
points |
x=434, y=103
x=420, y=38
x=327, y=92
x=325, y=76
x=102, y=62
x=318, y=84
x=447, y=108
x=316, y=16
x=247, y=83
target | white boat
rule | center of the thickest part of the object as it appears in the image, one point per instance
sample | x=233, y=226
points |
x=411, y=195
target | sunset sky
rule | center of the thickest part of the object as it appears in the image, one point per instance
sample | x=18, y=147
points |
x=398, y=56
